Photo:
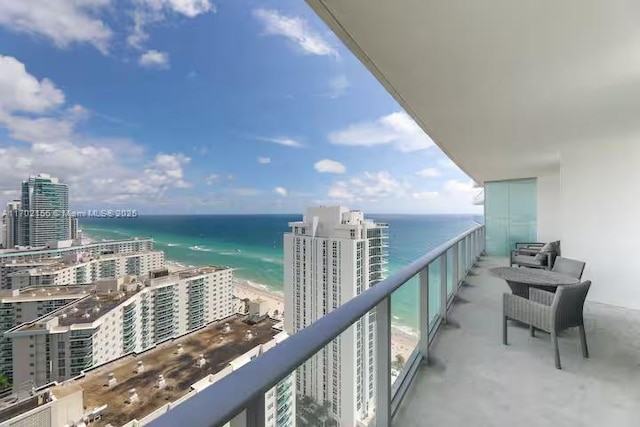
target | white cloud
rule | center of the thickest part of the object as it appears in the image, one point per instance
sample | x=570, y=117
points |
x=149, y=12
x=329, y=166
x=370, y=186
x=429, y=173
x=396, y=129
x=212, y=179
x=296, y=30
x=447, y=164
x=264, y=160
x=154, y=59
x=338, y=86
x=287, y=142
x=21, y=92
x=281, y=191
x=98, y=170
x=425, y=195
x=64, y=22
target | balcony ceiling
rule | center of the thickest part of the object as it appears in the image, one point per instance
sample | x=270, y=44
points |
x=502, y=85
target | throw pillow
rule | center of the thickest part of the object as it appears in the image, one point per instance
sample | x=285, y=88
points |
x=551, y=247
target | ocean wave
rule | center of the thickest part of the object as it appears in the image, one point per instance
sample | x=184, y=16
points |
x=173, y=244
x=271, y=260
x=228, y=253
x=405, y=329
x=199, y=249
x=395, y=317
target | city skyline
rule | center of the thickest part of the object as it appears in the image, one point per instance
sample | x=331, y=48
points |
x=281, y=118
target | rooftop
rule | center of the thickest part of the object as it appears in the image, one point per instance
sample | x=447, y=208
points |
x=32, y=250
x=519, y=384
x=192, y=272
x=42, y=293
x=90, y=309
x=179, y=370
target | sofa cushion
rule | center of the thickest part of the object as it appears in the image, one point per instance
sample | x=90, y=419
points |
x=551, y=247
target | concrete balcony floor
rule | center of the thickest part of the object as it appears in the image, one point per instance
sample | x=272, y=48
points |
x=473, y=380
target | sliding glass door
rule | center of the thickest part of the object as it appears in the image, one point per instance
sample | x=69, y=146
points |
x=510, y=214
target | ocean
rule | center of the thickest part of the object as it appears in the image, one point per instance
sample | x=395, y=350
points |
x=252, y=244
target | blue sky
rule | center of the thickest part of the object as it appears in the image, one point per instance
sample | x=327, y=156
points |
x=202, y=106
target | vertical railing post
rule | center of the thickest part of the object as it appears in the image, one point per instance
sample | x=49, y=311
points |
x=424, y=313
x=443, y=287
x=463, y=249
x=254, y=414
x=455, y=268
x=383, y=347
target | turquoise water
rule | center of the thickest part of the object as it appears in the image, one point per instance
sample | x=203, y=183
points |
x=252, y=244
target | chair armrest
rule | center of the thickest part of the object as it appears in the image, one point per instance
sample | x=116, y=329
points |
x=540, y=296
x=527, y=311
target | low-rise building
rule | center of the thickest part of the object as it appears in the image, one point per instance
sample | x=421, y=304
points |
x=120, y=316
x=136, y=389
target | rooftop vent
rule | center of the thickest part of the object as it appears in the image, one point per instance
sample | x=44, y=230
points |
x=226, y=329
x=86, y=315
x=96, y=309
x=111, y=381
x=248, y=336
x=64, y=315
x=140, y=367
x=201, y=361
x=162, y=383
x=179, y=350
x=75, y=310
x=133, y=396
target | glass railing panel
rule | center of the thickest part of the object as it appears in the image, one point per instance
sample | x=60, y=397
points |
x=405, y=328
x=435, y=300
x=450, y=269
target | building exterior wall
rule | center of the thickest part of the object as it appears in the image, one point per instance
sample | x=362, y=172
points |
x=330, y=257
x=549, y=188
x=599, y=217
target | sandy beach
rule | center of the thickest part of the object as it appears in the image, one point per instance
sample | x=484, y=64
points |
x=402, y=342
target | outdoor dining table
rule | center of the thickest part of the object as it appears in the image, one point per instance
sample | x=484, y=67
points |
x=520, y=279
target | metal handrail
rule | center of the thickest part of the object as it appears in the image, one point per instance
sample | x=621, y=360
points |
x=226, y=398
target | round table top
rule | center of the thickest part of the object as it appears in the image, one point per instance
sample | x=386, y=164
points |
x=533, y=276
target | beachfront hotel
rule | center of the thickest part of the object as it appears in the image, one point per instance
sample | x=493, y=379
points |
x=117, y=317
x=78, y=268
x=330, y=257
x=13, y=260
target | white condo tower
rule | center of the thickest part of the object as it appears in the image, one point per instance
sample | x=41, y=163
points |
x=331, y=256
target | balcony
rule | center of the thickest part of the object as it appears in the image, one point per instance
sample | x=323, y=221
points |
x=507, y=385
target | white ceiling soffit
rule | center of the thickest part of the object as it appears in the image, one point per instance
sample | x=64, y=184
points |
x=501, y=85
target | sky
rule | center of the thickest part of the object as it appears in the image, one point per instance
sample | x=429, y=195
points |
x=207, y=106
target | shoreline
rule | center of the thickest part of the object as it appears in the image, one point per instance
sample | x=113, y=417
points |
x=402, y=341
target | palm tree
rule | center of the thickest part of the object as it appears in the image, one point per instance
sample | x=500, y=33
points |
x=399, y=362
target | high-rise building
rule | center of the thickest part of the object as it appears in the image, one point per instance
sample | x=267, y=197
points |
x=119, y=317
x=73, y=227
x=11, y=225
x=45, y=204
x=331, y=256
